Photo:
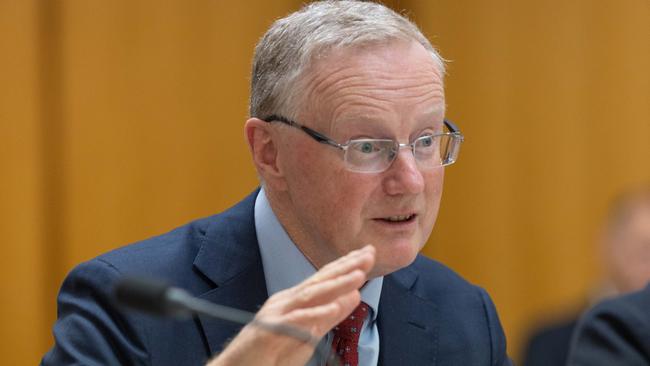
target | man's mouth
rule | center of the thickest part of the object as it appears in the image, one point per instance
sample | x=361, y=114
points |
x=398, y=218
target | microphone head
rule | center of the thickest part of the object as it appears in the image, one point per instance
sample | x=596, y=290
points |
x=149, y=296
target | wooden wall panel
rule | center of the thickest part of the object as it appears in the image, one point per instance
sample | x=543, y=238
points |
x=155, y=101
x=22, y=267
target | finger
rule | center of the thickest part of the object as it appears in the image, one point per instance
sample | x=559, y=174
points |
x=327, y=283
x=315, y=321
x=362, y=259
x=315, y=294
x=325, y=291
x=320, y=319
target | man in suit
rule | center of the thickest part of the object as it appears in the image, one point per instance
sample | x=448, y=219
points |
x=626, y=258
x=348, y=136
x=615, y=332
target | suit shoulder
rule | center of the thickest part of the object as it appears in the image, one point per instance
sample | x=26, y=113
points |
x=439, y=277
x=171, y=256
x=625, y=314
x=613, y=331
x=633, y=305
x=162, y=251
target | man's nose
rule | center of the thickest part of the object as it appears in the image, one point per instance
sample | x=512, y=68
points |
x=404, y=175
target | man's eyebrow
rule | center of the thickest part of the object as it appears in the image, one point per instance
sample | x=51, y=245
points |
x=364, y=125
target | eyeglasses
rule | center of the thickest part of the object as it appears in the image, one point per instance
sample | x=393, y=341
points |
x=377, y=155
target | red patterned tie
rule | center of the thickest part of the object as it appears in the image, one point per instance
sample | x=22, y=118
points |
x=346, y=336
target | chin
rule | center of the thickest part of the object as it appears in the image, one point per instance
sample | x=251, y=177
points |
x=391, y=258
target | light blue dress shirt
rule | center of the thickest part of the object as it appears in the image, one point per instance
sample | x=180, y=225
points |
x=285, y=266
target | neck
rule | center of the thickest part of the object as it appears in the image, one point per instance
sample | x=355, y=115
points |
x=283, y=208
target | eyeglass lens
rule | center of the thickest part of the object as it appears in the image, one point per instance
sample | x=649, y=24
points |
x=378, y=155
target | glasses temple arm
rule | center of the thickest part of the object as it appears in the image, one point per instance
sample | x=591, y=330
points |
x=313, y=134
x=451, y=126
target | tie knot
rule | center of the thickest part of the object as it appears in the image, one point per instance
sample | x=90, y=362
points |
x=350, y=327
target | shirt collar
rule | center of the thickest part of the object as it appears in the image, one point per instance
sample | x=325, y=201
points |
x=284, y=264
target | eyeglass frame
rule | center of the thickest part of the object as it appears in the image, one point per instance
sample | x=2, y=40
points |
x=323, y=139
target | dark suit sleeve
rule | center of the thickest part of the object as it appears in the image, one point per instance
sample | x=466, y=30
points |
x=89, y=329
x=615, y=332
x=497, y=336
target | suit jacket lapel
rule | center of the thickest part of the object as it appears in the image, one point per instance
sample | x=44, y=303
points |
x=407, y=323
x=247, y=292
x=229, y=257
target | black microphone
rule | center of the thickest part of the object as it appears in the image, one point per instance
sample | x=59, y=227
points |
x=157, y=298
x=148, y=296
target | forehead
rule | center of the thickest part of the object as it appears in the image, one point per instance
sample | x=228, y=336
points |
x=397, y=81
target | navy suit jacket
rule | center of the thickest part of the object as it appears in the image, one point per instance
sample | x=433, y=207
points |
x=614, y=332
x=549, y=346
x=428, y=315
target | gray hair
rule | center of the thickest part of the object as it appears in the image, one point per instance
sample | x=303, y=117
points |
x=292, y=43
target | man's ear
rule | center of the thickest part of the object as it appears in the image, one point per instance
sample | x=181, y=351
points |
x=264, y=149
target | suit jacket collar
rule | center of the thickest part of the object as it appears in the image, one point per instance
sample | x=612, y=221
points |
x=408, y=333
x=229, y=257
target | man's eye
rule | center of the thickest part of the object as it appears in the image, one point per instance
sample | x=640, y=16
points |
x=366, y=147
x=426, y=141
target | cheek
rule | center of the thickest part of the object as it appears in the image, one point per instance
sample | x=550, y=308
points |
x=329, y=196
x=351, y=198
x=348, y=196
x=305, y=168
x=433, y=192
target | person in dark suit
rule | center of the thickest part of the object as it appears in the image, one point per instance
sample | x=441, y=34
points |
x=614, y=332
x=347, y=133
x=626, y=257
